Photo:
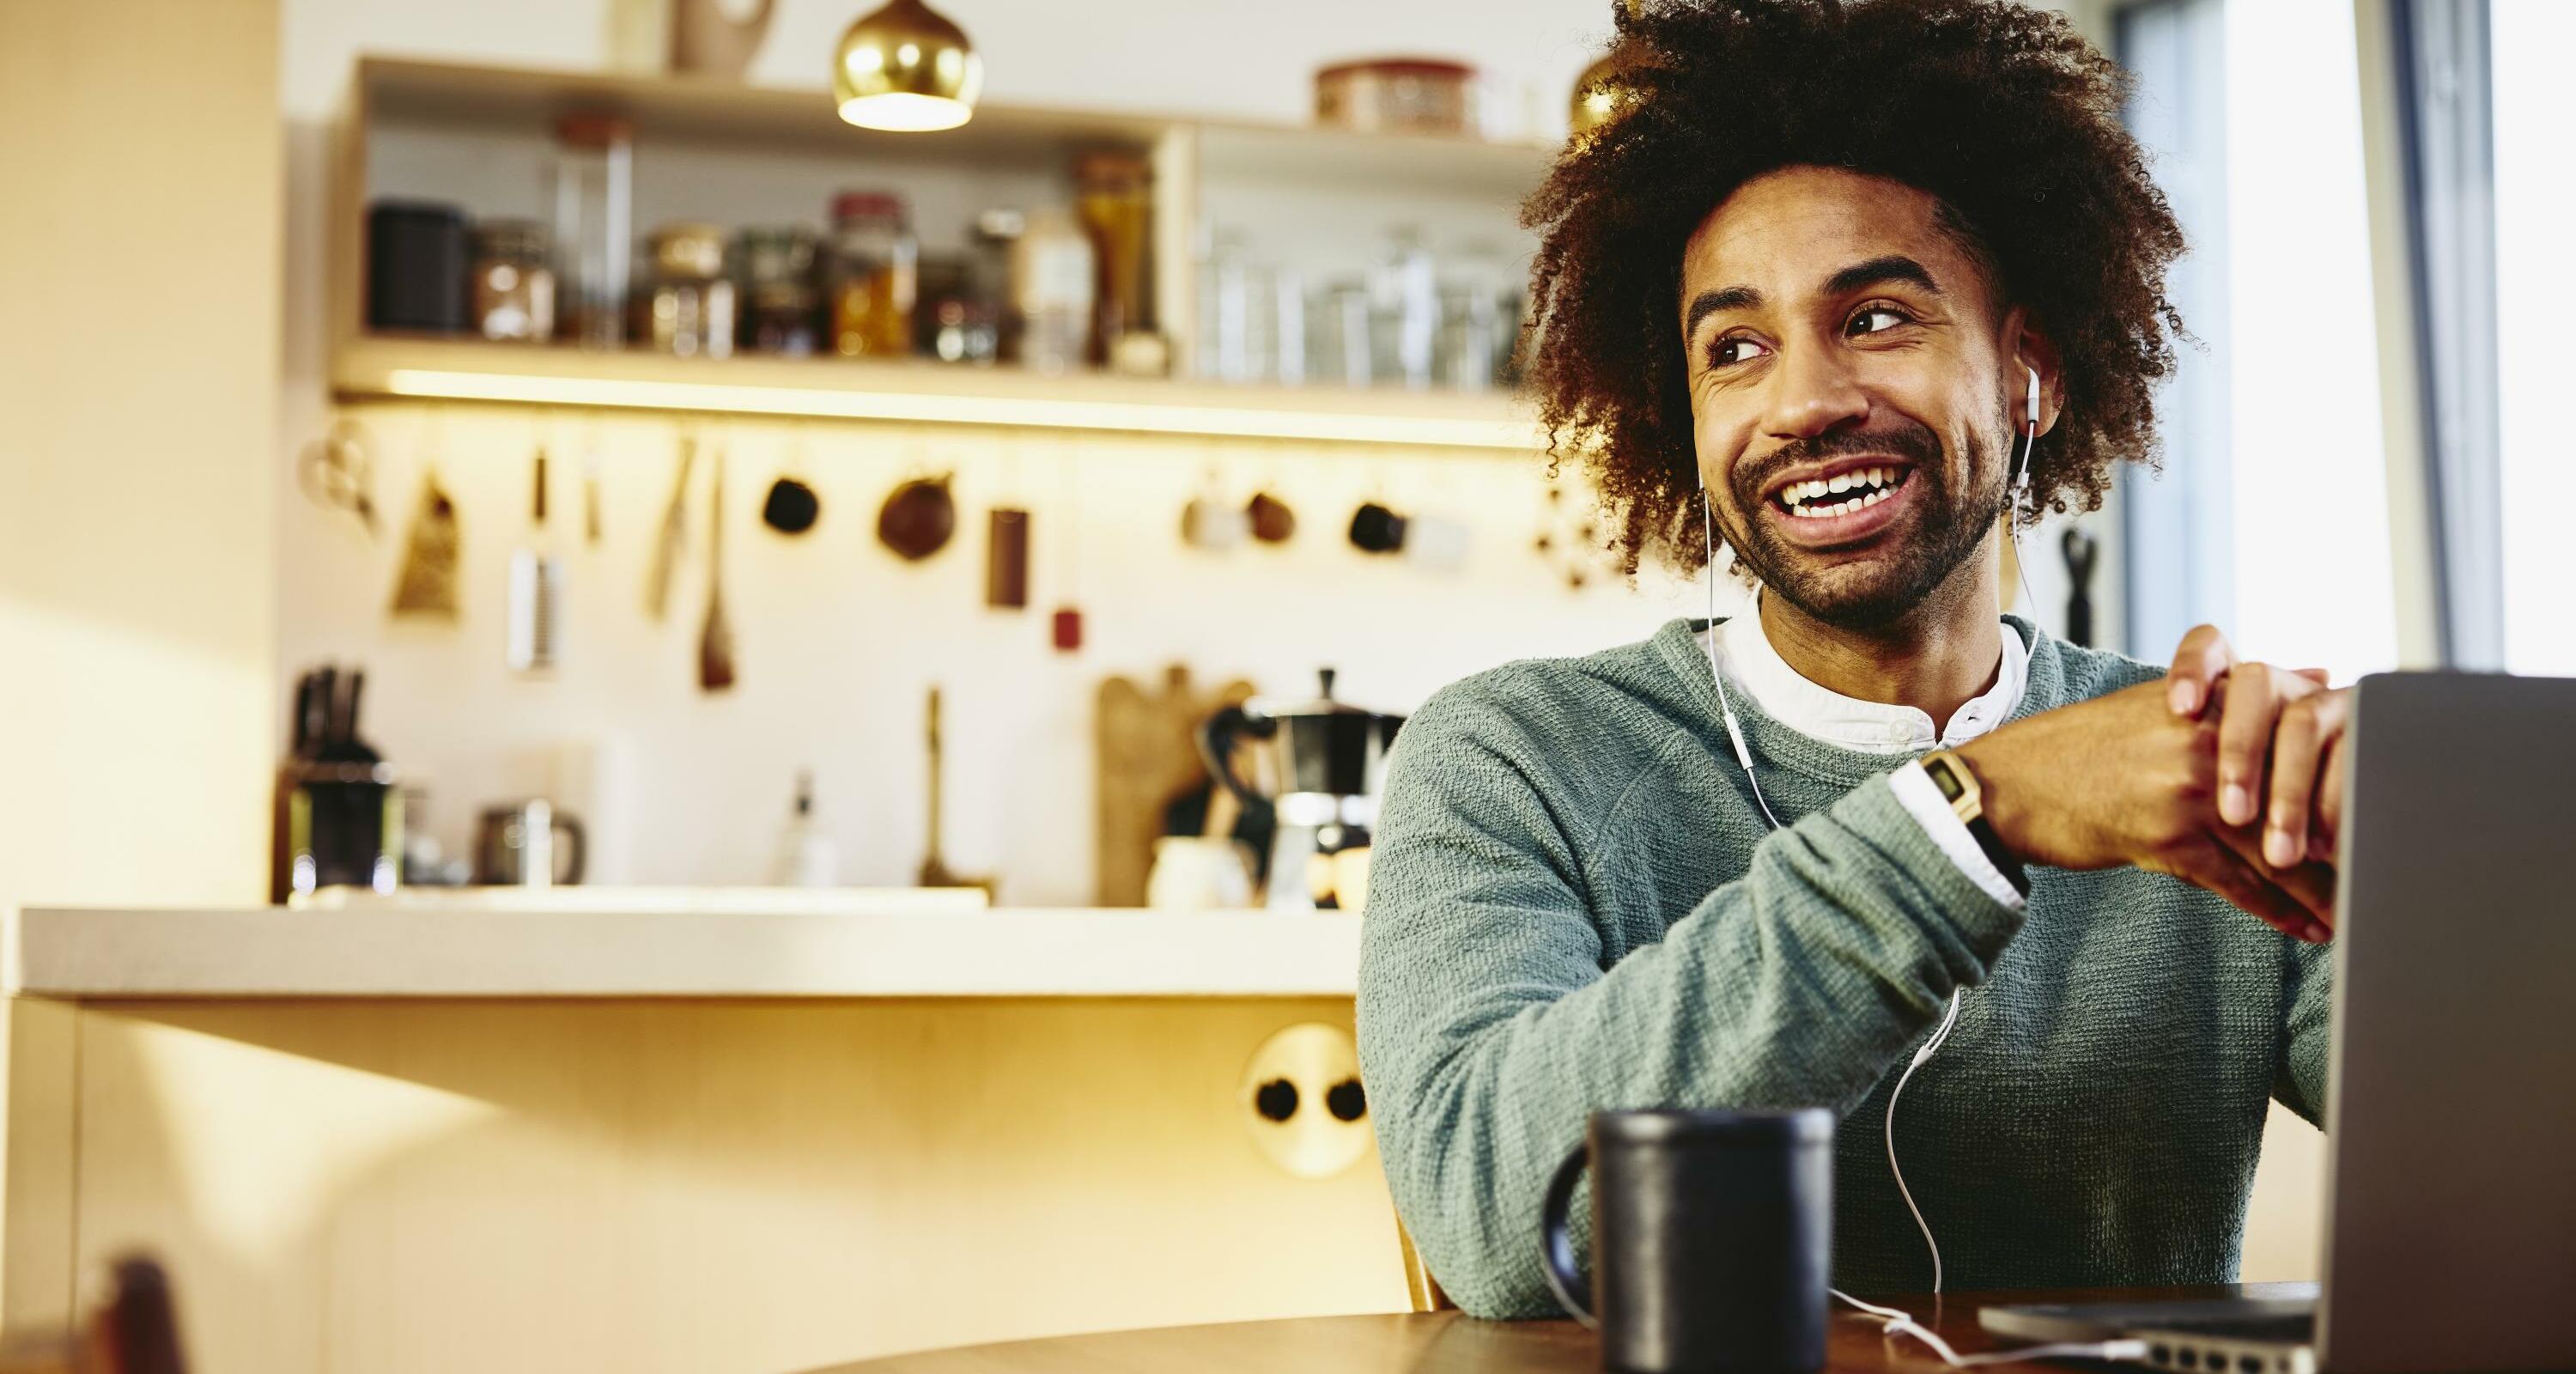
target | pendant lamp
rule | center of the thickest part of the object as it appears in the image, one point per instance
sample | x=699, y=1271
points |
x=906, y=68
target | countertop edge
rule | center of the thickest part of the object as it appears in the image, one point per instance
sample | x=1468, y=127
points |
x=273, y=953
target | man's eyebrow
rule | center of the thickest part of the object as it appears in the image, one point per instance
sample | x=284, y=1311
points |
x=1894, y=267
x=1708, y=303
x=1878, y=272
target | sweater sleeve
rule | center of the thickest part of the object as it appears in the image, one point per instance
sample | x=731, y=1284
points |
x=2306, y=1018
x=1490, y=1031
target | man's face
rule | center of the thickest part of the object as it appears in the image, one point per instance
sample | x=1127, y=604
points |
x=1850, y=385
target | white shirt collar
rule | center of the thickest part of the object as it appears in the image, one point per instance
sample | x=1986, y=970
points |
x=1756, y=669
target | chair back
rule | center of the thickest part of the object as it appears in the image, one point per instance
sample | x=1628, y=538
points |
x=1422, y=1290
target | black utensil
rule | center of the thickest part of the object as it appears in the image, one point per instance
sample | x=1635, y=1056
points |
x=1375, y=529
x=2082, y=552
x=792, y=507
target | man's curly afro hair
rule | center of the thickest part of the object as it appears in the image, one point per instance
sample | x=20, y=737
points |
x=2000, y=111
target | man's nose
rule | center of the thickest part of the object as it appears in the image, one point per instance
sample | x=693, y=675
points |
x=1812, y=393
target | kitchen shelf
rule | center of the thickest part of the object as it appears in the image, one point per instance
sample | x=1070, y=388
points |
x=752, y=154
x=391, y=368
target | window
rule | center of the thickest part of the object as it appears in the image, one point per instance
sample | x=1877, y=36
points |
x=2271, y=517
x=2535, y=213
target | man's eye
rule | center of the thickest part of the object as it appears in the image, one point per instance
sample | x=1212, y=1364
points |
x=1733, y=349
x=1876, y=318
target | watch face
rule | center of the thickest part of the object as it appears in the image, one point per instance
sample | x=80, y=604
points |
x=1945, y=778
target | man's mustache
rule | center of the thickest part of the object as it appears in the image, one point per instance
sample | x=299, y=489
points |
x=1909, y=440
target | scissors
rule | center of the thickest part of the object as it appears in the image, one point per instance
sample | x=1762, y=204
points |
x=339, y=469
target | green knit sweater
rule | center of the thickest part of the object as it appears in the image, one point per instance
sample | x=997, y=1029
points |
x=1575, y=905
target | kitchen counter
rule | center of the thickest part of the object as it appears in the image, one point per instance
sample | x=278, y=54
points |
x=699, y=1132
x=420, y=948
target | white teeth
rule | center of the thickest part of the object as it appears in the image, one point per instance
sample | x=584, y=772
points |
x=1867, y=487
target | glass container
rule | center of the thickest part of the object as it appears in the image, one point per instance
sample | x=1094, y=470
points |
x=1051, y=291
x=688, y=309
x=591, y=188
x=989, y=247
x=1404, y=311
x=1114, y=198
x=874, y=278
x=513, y=281
x=1337, y=334
x=780, y=307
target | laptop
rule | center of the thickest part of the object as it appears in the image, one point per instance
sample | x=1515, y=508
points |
x=2450, y=1238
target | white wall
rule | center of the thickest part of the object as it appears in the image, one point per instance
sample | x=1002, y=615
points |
x=138, y=385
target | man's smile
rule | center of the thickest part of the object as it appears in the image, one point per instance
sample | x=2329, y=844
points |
x=1841, y=504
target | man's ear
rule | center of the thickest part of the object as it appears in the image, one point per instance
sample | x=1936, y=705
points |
x=2031, y=347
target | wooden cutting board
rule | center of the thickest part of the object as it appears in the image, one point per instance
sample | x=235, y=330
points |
x=1145, y=753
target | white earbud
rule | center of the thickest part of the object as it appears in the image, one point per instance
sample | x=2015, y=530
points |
x=2034, y=398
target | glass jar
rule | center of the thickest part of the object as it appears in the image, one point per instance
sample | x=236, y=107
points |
x=591, y=188
x=513, y=281
x=989, y=248
x=1051, y=291
x=874, y=276
x=1114, y=197
x=955, y=324
x=688, y=309
x=780, y=312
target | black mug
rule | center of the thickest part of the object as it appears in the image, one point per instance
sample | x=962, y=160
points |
x=1712, y=1232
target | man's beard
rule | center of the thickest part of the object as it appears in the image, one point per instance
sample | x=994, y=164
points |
x=1950, y=525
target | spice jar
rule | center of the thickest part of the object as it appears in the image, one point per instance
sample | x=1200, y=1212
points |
x=513, y=283
x=779, y=313
x=873, y=277
x=688, y=310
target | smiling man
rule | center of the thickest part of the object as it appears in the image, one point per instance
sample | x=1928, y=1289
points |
x=1839, y=275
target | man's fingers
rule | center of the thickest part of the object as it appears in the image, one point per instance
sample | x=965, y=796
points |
x=2244, y=739
x=2311, y=885
x=2296, y=743
x=2202, y=659
x=2215, y=866
x=2315, y=675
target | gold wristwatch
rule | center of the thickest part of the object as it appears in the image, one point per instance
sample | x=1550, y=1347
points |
x=1958, y=785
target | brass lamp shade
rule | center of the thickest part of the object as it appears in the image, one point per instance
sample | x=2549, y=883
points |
x=1601, y=94
x=907, y=69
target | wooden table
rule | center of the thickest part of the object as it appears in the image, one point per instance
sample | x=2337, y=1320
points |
x=1451, y=1343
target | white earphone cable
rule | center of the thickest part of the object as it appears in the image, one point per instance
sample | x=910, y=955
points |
x=1900, y=1323
x=1932, y=1046
x=1734, y=732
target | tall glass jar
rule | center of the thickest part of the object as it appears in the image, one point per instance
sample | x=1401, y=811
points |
x=874, y=278
x=591, y=189
x=688, y=310
x=1051, y=291
x=1114, y=196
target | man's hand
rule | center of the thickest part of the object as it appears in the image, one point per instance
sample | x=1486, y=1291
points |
x=2126, y=779
x=2286, y=725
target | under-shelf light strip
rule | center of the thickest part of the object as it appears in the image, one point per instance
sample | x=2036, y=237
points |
x=1031, y=412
